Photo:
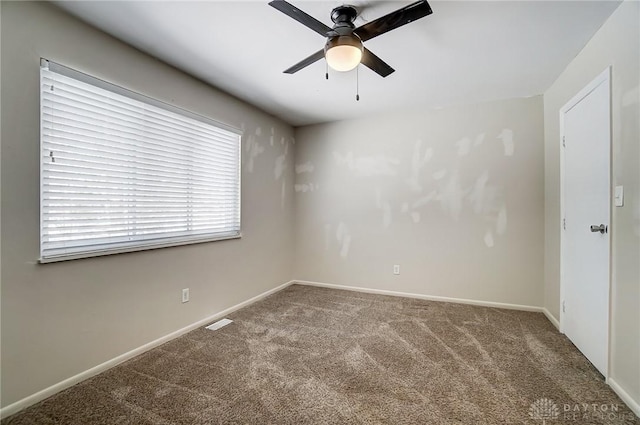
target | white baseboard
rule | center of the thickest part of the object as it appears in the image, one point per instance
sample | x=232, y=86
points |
x=634, y=405
x=551, y=318
x=423, y=297
x=69, y=382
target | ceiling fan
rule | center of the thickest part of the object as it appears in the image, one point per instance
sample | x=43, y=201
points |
x=343, y=49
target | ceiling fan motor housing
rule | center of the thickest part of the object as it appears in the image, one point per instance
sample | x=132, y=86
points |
x=344, y=14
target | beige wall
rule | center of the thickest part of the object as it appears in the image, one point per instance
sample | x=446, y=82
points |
x=454, y=196
x=62, y=319
x=617, y=44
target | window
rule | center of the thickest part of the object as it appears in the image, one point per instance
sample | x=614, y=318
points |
x=123, y=172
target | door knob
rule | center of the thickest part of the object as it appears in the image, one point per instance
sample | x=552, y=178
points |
x=601, y=228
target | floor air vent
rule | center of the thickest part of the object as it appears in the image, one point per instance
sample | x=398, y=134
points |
x=219, y=324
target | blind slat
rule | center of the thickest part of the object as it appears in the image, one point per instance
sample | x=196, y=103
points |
x=62, y=137
x=116, y=131
x=117, y=182
x=76, y=92
x=98, y=245
x=134, y=169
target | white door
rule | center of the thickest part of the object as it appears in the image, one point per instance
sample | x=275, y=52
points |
x=584, y=317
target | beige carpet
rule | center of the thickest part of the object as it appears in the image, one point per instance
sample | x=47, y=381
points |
x=319, y=356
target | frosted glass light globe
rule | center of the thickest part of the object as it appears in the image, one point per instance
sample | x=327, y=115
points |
x=343, y=57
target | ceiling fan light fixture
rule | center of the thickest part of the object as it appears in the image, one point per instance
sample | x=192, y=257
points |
x=343, y=53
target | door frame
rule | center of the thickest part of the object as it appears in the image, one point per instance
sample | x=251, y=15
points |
x=603, y=78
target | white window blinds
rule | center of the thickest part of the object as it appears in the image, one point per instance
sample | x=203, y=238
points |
x=122, y=172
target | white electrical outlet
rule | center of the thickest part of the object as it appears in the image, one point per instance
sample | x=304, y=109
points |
x=396, y=269
x=185, y=295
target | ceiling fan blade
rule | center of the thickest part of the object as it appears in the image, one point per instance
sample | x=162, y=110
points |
x=375, y=64
x=300, y=16
x=394, y=20
x=305, y=62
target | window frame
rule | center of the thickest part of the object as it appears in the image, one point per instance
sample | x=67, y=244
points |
x=141, y=245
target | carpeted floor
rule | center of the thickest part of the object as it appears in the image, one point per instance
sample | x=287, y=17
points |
x=309, y=355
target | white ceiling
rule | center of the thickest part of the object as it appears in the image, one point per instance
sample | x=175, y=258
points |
x=465, y=52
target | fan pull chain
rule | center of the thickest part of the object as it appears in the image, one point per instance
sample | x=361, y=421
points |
x=326, y=74
x=357, y=83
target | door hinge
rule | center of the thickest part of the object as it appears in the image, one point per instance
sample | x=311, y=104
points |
x=563, y=307
x=564, y=223
x=564, y=144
